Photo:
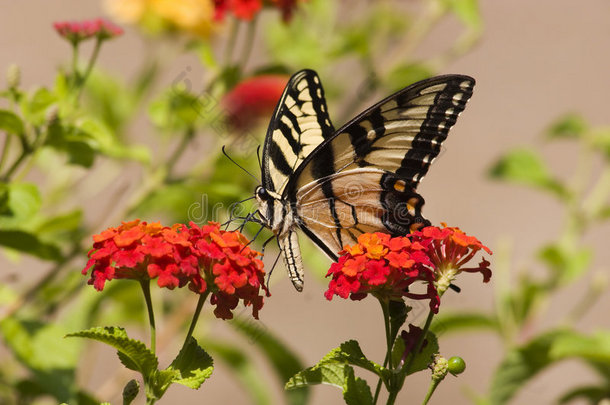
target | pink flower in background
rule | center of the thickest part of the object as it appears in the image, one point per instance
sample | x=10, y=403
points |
x=76, y=31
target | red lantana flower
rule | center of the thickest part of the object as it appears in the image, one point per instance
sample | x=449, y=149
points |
x=449, y=249
x=247, y=9
x=383, y=266
x=253, y=99
x=206, y=259
x=76, y=31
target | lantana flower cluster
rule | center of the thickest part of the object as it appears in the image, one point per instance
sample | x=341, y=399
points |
x=387, y=266
x=206, y=258
x=247, y=9
x=77, y=31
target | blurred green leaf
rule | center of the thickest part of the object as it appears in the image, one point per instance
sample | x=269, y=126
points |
x=194, y=364
x=21, y=202
x=600, y=140
x=11, y=123
x=406, y=74
x=109, y=100
x=463, y=322
x=29, y=243
x=595, y=347
x=35, y=107
x=132, y=353
x=41, y=348
x=322, y=373
x=566, y=264
x=178, y=110
x=467, y=11
x=60, y=224
x=568, y=126
x=284, y=362
x=104, y=139
x=592, y=395
x=523, y=301
x=72, y=141
x=520, y=364
x=242, y=368
x=524, y=166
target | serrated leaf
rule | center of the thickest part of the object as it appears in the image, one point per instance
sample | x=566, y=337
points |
x=194, y=364
x=458, y=322
x=350, y=352
x=242, y=368
x=524, y=166
x=568, y=126
x=398, y=315
x=11, y=123
x=140, y=357
x=322, y=373
x=356, y=391
x=567, y=265
x=284, y=361
x=520, y=364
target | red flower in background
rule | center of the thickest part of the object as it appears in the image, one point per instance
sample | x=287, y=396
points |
x=383, y=266
x=253, y=99
x=76, y=31
x=247, y=9
x=204, y=258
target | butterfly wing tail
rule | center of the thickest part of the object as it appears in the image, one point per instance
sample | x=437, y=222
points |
x=289, y=245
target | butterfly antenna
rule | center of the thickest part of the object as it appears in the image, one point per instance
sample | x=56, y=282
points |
x=258, y=155
x=238, y=165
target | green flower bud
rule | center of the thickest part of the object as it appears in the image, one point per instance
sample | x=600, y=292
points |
x=439, y=368
x=457, y=365
x=13, y=76
x=130, y=392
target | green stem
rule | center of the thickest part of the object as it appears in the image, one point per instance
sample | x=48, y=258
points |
x=420, y=342
x=231, y=42
x=385, y=308
x=83, y=79
x=25, y=152
x=74, y=74
x=145, y=284
x=5, y=148
x=202, y=298
x=186, y=139
x=247, y=50
x=433, y=384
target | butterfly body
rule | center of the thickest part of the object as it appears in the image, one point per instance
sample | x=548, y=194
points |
x=336, y=185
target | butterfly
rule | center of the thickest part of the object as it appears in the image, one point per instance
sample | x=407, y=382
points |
x=335, y=185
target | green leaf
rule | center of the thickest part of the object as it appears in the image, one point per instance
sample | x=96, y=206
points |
x=350, y=353
x=194, y=364
x=566, y=264
x=11, y=123
x=462, y=322
x=20, y=203
x=103, y=139
x=355, y=390
x=29, y=243
x=595, y=347
x=41, y=349
x=61, y=223
x=134, y=354
x=592, y=394
x=35, y=107
x=242, y=367
x=600, y=140
x=422, y=359
x=568, y=126
x=520, y=364
x=467, y=11
x=72, y=141
x=404, y=74
x=524, y=166
x=285, y=363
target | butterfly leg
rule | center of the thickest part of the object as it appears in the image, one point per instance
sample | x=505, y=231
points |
x=289, y=245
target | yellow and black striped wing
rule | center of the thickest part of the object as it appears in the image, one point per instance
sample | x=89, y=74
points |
x=299, y=124
x=363, y=178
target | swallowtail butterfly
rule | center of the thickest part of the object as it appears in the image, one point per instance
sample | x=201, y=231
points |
x=337, y=184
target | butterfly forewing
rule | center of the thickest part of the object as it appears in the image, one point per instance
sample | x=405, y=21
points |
x=363, y=179
x=299, y=124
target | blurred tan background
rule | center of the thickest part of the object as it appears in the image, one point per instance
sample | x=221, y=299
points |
x=537, y=60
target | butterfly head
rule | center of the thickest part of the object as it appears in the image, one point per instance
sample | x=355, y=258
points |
x=269, y=207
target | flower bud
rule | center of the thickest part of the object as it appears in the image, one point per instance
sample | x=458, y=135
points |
x=456, y=365
x=439, y=368
x=13, y=76
x=130, y=392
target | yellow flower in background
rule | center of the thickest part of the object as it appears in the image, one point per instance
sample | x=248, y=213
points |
x=192, y=16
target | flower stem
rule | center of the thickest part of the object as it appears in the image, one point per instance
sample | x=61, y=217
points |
x=83, y=79
x=231, y=42
x=385, y=308
x=74, y=74
x=433, y=384
x=151, y=315
x=200, y=302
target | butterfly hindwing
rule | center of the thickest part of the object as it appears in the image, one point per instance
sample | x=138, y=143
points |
x=299, y=124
